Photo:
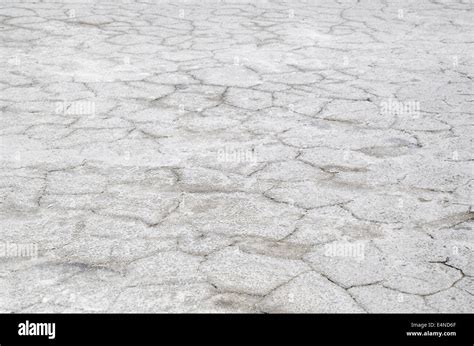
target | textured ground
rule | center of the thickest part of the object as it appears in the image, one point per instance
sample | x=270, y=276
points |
x=231, y=156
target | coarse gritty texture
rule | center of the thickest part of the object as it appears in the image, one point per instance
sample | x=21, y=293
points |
x=237, y=156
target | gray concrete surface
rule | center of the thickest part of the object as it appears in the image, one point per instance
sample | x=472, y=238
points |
x=236, y=156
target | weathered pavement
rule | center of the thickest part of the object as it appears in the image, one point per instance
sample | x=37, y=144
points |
x=266, y=156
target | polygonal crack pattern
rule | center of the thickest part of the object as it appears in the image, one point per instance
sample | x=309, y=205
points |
x=223, y=156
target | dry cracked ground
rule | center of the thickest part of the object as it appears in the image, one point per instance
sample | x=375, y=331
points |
x=232, y=156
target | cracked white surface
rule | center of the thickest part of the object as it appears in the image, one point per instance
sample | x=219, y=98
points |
x=236, y=156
